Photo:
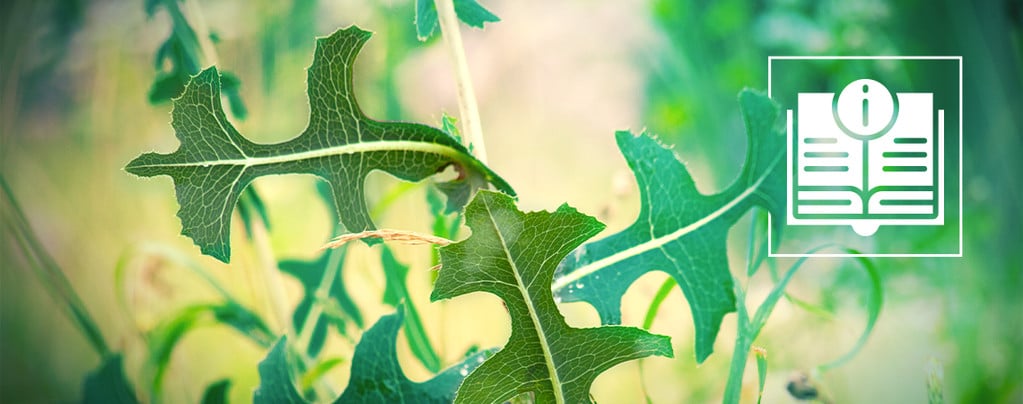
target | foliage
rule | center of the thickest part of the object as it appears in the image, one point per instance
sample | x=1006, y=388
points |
x=215, y=163
x=531, y=261
x=513, y=255
x=679, y=230
x=376, y=374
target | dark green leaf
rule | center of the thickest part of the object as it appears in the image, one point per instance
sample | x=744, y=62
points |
x=108, y=385
x=167, y=87
x=513, y=255
x=679, y=230
x=275, y=382
x=376, y=374
x=469, y=11
x=217, y=393
x=214, y=163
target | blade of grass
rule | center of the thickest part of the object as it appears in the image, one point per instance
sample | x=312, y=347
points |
x=655, y=304
x=761, y=355
x=874, y=306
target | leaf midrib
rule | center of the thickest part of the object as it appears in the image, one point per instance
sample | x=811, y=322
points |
x=352, y=148
x=654, y=243
x=551, y=370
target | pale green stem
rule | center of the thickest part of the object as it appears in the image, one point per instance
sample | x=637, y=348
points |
x=743, y=342
x=468, y=109
x=312, y=317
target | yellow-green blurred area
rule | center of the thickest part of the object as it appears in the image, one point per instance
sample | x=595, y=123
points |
x=555, y=79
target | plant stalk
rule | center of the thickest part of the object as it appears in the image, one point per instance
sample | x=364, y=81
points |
x=322, y=292
x=468, y=109
x=737, y=368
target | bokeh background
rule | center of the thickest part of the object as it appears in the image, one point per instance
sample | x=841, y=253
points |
x=555, y=79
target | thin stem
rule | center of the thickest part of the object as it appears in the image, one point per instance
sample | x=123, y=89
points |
x=312, y=317
x=733, y=390
x=743, y=342
x=468, y=109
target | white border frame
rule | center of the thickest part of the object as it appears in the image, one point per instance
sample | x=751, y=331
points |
x=959, y=254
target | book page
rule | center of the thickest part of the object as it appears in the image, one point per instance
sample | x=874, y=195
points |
x=901, y=169
x=829, y=163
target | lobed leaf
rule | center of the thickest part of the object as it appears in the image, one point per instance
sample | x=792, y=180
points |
x=108, y=385
x=214, y=163
x=469, y=11
x=679, y=230
x=513, y=255
x=376, y=375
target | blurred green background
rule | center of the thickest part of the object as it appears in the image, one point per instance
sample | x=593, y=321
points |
x=554, y=79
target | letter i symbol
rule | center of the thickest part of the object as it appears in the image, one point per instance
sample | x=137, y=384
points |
x=866, y=109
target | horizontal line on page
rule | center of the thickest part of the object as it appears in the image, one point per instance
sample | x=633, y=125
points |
x=826, y=154
x=823, y=140
x=830, y=202
x=826, y=168
x=910, y=140
x=905, y=168
x=905, y=202
x=904, y=154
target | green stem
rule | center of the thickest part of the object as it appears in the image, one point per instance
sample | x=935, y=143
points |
x=743, y=342
x=740, y=354
x=322, y=293
x=468, y=109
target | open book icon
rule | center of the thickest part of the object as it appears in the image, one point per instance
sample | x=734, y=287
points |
x=865, y=158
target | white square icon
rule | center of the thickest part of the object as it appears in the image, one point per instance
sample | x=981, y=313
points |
x=865, y=157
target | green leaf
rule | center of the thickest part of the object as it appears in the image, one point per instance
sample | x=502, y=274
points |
x=310, y=377
x=761, y=356
x=214, y=163
x=217, y=393
x=395, y=292
x=108, y=385
x=376, y=374
x=275, y=383
x=310, y=274
x=250, y=206
x=167, y=86
x=231, y=85
x=679, y=230
x=655, y=303
x=162, y=340
x=469, y=11
x=513, y=255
